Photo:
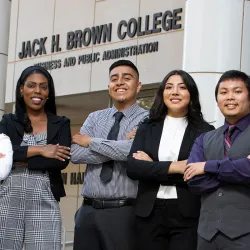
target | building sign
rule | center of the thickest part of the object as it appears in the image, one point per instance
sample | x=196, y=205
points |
x=76, y=178
x=102, y=34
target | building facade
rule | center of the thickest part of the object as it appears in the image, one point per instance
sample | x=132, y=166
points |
x=78, y=40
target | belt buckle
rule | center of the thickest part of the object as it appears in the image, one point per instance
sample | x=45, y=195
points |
x=98, y=204
x=120, y=203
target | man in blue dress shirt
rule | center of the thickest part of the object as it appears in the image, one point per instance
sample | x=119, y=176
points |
x=105, y=220
x=219, y=169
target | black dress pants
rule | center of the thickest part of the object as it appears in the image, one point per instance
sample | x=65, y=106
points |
x=104, y=229
x=166, y=228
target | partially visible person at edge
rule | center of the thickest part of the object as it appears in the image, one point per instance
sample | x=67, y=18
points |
x=6, y=156
x=106, y=218
x=29, y=210
x=219, y=169
x=166, y=212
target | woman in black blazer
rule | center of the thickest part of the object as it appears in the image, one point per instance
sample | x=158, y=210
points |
x=29, y=210
x=166, y=212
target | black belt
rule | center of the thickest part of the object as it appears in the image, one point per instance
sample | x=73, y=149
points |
x=100, y=203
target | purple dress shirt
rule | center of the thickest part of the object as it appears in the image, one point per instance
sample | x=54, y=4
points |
x=220, y=172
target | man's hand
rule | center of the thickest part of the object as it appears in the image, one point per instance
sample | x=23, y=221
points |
x=131, y=135
x=194, y=169
x=140, y=155
x=2, y=155
x=81, y=139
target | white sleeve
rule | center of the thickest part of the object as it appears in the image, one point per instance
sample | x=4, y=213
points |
x=7, y=161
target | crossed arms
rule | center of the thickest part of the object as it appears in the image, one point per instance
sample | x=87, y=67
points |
x=87, y=148
x=205, y=176
x=40, y=157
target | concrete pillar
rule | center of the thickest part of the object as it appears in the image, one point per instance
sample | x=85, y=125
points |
x=5, y=6
x=214, y=43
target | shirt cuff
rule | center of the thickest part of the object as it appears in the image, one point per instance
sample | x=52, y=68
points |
x=211, y=166
x=95, y=143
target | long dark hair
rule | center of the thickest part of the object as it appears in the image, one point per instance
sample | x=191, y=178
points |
x=20, y=108
x=159, y=110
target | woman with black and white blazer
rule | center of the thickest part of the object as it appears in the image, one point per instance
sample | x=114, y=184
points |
x=166, y=212
x=29, y=210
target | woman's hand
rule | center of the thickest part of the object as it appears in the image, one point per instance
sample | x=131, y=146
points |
x=55, y=151
x=2, y=155
x=140, y=155
x=177, y=167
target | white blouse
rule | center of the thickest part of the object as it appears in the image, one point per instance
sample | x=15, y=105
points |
x=171, y=139
x=7, y=161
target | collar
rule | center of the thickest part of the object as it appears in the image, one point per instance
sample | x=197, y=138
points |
x=240, y=124
x=126, y=112
x=52, y=118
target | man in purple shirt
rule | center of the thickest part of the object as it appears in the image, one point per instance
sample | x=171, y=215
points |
x=219, y=169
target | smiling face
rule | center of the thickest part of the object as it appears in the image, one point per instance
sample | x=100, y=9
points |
x=233, y=100
x=176, y=96
x=35, y=92
x=124, y=86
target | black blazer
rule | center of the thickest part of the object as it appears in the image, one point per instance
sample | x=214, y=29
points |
x=152, y=174
x=58, y=131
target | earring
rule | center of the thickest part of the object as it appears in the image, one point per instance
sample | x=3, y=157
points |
x=47, y=98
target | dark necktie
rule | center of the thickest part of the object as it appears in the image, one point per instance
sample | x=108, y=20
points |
x=228, y=139
x=107, y=167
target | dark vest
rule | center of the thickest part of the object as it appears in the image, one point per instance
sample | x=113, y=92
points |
x=228, y=208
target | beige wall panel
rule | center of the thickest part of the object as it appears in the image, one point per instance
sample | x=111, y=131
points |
x=13, y=29
x=9, y=83
x=71, y=190
x=154, y=66
x=71, y=16
x=35, y=21
x=82, y=167
x=5, y=9
x=75, y=128
x=69, y=238
x=113, y=11
x=3, y=69
x=72, y=79
x=82, y=170
x=80, y=200
x=68, y=206
x=100, y=70
x=245, y=50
